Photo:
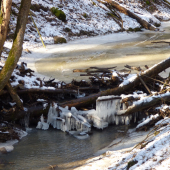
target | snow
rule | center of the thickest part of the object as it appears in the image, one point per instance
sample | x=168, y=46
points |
x=8, y=145
x=130, y=78
x=155, y=155
x=147, y=120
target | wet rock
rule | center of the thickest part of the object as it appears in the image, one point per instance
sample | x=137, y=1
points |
x=59, y=40
x=3, y=150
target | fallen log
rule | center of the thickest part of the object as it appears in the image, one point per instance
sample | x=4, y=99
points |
x=120, y=8
x=34, y=111
x=160, y=42
x=148, y=125
x=146, y=103
x=88, y=100
x=50, y=91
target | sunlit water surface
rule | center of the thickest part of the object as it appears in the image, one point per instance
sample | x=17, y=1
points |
x=40, y=148
x=136, y=52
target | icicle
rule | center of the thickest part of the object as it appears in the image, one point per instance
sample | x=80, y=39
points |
x=26, y=120
x=42, y=124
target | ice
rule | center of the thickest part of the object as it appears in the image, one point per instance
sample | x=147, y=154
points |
x=64, y=119
x=107, y=112
x=41, y=124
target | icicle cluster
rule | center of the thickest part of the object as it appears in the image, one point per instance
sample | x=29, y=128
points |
x=65, y=120
x=106, y=111
x=107, y=108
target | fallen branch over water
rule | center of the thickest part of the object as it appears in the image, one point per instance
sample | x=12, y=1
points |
x=146, y=103
x=151, y=72
x=49, y=91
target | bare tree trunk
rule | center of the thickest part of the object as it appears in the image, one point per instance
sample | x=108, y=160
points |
x=4, y=21
x=16, y=50
x=85, y=101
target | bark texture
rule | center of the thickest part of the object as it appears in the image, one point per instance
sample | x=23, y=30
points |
x=4, y=21
x=16, y=50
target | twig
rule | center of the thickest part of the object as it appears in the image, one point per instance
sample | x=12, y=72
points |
x=149, y=134
x=144, y=84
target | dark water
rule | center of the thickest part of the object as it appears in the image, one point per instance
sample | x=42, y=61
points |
x=39, y=148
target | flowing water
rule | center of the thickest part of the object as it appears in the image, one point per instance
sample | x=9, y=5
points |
x=136, y=52
x=40, y=148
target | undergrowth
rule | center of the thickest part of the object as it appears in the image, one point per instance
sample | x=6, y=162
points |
x=58, y=13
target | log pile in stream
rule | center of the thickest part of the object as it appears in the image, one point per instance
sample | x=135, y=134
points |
x=37, y=94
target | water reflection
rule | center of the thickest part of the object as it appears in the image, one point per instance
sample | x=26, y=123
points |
x=43, y=148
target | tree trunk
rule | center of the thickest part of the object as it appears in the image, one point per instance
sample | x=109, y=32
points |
x=16, y=50
x=4, y=21
x=120, y=8
x=85, y=101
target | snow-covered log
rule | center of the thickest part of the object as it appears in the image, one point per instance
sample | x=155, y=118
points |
x=125, y=86
x=145, y=103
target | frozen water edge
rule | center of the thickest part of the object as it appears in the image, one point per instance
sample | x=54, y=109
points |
x=8, y=145
x=83, y=44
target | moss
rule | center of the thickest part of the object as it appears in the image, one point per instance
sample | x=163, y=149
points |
x=131, y=163
x=94, y=3
x=67, y=29
x=110, y=14
x=166, y=1
x=134, y=29
x=58, y=13
x=1, y=17
x=156, y=133
x=85, y=15
x=148, y=2
x=59, y=40
x=157, y=25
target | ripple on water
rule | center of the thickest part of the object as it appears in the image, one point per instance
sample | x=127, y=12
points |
x=43, y=148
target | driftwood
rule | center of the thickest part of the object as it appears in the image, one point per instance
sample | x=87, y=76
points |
x=144, y=105
x=146, y=126
x=133, y=68
x=95, y=70
x=120, y=8
x=160, y=42
x=35, y=111
x=49, y=91
x=154, y=71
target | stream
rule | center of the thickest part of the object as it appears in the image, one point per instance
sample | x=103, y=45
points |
x=138, y=51
x=40, y=149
